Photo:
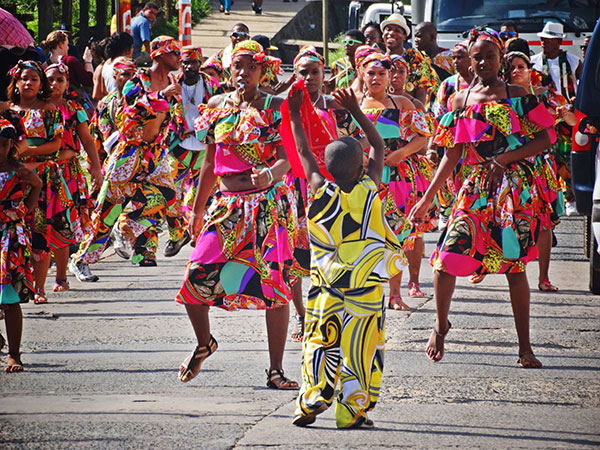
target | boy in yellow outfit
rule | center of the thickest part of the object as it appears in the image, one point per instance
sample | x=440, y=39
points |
x=353, y=252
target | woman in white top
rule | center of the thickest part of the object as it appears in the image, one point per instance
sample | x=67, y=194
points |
x=121, y=44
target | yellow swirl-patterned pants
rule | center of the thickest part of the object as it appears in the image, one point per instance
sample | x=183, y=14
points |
x=343, y=340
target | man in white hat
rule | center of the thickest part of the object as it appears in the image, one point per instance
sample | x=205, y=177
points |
x=422, y=77
x=563, y=68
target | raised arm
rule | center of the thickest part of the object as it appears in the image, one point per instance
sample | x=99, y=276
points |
x=347, y=99
x=309, y=163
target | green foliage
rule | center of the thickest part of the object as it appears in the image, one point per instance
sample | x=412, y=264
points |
x=162, y=27
x=338, y=52
x=200, y=9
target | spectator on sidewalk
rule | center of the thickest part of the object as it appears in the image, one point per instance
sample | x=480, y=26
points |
x=240, y=32
x=140, y=31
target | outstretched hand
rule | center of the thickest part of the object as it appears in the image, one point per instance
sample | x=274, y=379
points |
x=347, y=99
x=295, y=99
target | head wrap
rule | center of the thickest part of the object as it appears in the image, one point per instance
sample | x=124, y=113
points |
x=271, y=65
x=398, y=61
x=362, y=52
x=123, y=64
x=214, y=62
x=60, y=67
x=190, y=52
x=510, y=56
x=16, y=71
x=485, y=34
x=461, y=47
x=308, y=54
x=7, y=129
x=378, y=60
x=163, y=45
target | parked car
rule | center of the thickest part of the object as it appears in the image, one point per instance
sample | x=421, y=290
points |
x=585, y=155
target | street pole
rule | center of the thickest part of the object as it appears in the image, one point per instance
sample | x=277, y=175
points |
x=185, y=22
x=325, y=34
x=123, y=12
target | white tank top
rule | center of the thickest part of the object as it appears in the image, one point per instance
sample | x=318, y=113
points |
x=109, y=77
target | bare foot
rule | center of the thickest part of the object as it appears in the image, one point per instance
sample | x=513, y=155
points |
x=529, y=361
x=398, y=304
x=435, y=346
x=13, y=364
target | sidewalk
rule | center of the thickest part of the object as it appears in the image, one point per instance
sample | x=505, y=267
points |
x=211, y=34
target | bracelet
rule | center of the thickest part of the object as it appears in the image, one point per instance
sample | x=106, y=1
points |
x=271, y=178
x=498, y=164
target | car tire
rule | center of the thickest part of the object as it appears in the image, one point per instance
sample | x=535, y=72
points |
x=594, y=264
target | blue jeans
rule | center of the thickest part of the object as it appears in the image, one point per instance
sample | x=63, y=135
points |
x=226, y=4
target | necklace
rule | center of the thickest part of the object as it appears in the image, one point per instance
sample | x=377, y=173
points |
x=241, y=98
x=317, y=101
x=190, y=92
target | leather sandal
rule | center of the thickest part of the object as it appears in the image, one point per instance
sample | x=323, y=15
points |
x=414, y=290
x=399, y=304
x=298, y=332
x=61, y=285
x=186, y=373
x=546, y=286
x=40, y=297
x=277, y=380
x=436, y=334
x=529, y=361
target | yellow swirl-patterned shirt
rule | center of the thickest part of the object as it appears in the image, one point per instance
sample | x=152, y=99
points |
x=352, y=245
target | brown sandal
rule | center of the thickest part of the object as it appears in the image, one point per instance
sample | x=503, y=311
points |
x=17, y=367
x=186, y=373
x=529, y=361
x=435, y=334
x=277, y=380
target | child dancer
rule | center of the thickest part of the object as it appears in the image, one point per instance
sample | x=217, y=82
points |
x=354, y=251
x=19, y=192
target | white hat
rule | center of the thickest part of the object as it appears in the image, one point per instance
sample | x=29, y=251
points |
x=396, y=19
x=552, y=30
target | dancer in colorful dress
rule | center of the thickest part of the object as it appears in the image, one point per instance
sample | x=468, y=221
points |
x=518, y=71
x=76, y=134
x=425, y=169
x=405, y=131
x=328, y=121
x=19, y=192
x=493, y=227
x=187, y=153
x=354, y=251
x=28, y=93
x=138, y=176
x=244, y=243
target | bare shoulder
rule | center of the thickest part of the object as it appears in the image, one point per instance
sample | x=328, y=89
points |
x=459, y=100
x=515, y=90
x=276, y=103
x=215, y=101
x=404, y=102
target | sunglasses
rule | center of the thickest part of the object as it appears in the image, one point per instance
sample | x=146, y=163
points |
x=239, y=34
x=351, y=42
x=504, y=35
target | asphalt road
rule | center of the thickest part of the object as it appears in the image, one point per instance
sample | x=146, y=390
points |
x=101, y=370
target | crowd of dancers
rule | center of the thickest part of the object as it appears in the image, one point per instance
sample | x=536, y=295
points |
x=337, y=179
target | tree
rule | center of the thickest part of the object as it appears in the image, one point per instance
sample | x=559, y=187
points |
x=84, y=23
x=67, y=13
x=45, y=18
x=101, y=17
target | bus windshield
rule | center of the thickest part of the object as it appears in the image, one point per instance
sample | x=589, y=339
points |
x=530, y=16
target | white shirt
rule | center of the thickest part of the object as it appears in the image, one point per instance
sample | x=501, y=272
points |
x=191, y=113
x=555, y=71
x=108, y=75
x=226, y=57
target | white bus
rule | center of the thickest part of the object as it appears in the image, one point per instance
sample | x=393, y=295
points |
x=453, y=18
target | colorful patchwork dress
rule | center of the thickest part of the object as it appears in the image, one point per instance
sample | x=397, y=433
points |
x=343, y=72
x=354, y=251
x=402, y=186
x=244, y=254
x=138, y=176
x=492, y=233
x=51, y=227
x=421, y=74
x=16, y=273
x=551, y=186
x=103, y=126
x=73, y=174
x=186, y=160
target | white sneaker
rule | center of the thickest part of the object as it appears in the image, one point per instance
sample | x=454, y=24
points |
x=571, y=209
x=120, y=243
x=81, y=271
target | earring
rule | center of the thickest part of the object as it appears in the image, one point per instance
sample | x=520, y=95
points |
x=391, y=90
x=16, y=91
